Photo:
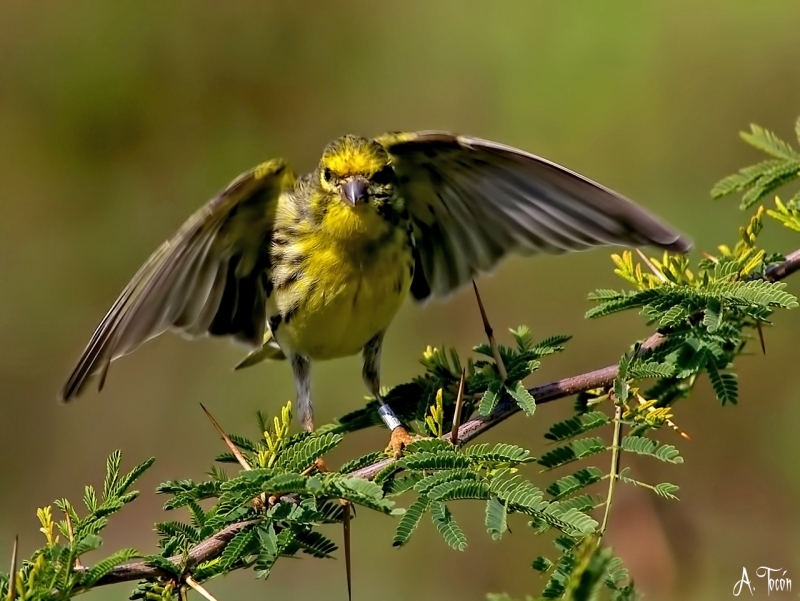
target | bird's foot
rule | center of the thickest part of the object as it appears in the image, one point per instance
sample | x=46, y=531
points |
x=400, y=440
x=320, y=465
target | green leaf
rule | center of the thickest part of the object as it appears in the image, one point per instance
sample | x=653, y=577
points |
x=523, y=337
x=541, y=564
x=576, y=425
x=112, y=473
x=768, y=182
x=490, y=398
x=496, y=523
x=621, y=386
x=177, y=529
x=447, y=527
x=87, y=543
x=726, y=268
x=647, y=446
x=356, y=464
x=90, y=498
x=725, y=385
x=302, y=454
x=315, y=544
x=577, y=449
x=404, y=483
x=712, y=315
x=245, y=443
x=500, y=453
x=425, y=484
x=360, y=491
x=550, y=345
x=272, y=546
x=582, y=503
x=163, y=563
x=431, y=445
x=518, y=493
x=523, y=398
x=458, y=490
x=616, y=574
x=285, y=483
x=744, y=178
x=568, y=485
x=674, y=316
x=236, y=549
x=444, y=460
x=667, y=490
x=629, y=301
x=650, y=369
x=754, y=292
x=604, y=294
x=590, y=572
x=765, y=140
x=125, y=483
x=410, y=520
x=105, y=566
x=570, y=521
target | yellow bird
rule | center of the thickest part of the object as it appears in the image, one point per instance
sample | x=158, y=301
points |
x=316, y=267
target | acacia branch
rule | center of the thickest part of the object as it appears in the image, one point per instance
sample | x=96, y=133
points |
x=203, y=551
x=599, y=378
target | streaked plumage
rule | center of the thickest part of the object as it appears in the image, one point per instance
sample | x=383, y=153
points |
x=322, y=263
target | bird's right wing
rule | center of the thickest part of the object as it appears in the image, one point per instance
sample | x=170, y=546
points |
x=212, y=277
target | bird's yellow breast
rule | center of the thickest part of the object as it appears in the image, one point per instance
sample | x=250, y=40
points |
x=347, y=288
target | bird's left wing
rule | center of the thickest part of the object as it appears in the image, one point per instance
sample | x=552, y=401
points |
x=472, y=201
x=210, y=277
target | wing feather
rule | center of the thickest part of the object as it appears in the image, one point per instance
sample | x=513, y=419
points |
x=208, y=278
x=473, y=201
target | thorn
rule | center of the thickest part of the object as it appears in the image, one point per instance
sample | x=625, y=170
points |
x=199, y=588
x=709, y=257
x=260, y=501
x=761, y=337
x=501, y=368
x=457, y=412
x=12, y=575
x=72, y=537
x=234, y=449
x=650, y=265
x=347, y=555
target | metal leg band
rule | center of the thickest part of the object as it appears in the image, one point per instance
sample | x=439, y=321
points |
x=388, y=417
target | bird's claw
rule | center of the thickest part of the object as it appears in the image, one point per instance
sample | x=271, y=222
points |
x=400, y=440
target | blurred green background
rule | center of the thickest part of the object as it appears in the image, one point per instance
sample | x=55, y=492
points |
x=118, y=119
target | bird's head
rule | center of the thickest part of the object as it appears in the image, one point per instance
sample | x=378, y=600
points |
x=357, y=171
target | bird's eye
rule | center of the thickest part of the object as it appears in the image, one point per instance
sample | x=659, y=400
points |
x=327, y=174
x=384, y=176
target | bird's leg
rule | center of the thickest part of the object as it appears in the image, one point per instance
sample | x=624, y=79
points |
x=371, y=373
x=302, y=382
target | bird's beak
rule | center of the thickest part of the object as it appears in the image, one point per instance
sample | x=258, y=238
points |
x=355, y=191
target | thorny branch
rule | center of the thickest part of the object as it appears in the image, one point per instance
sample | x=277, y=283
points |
x=599, y=378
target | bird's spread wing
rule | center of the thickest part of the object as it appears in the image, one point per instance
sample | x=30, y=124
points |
x=211, y=277
x=472, y=201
